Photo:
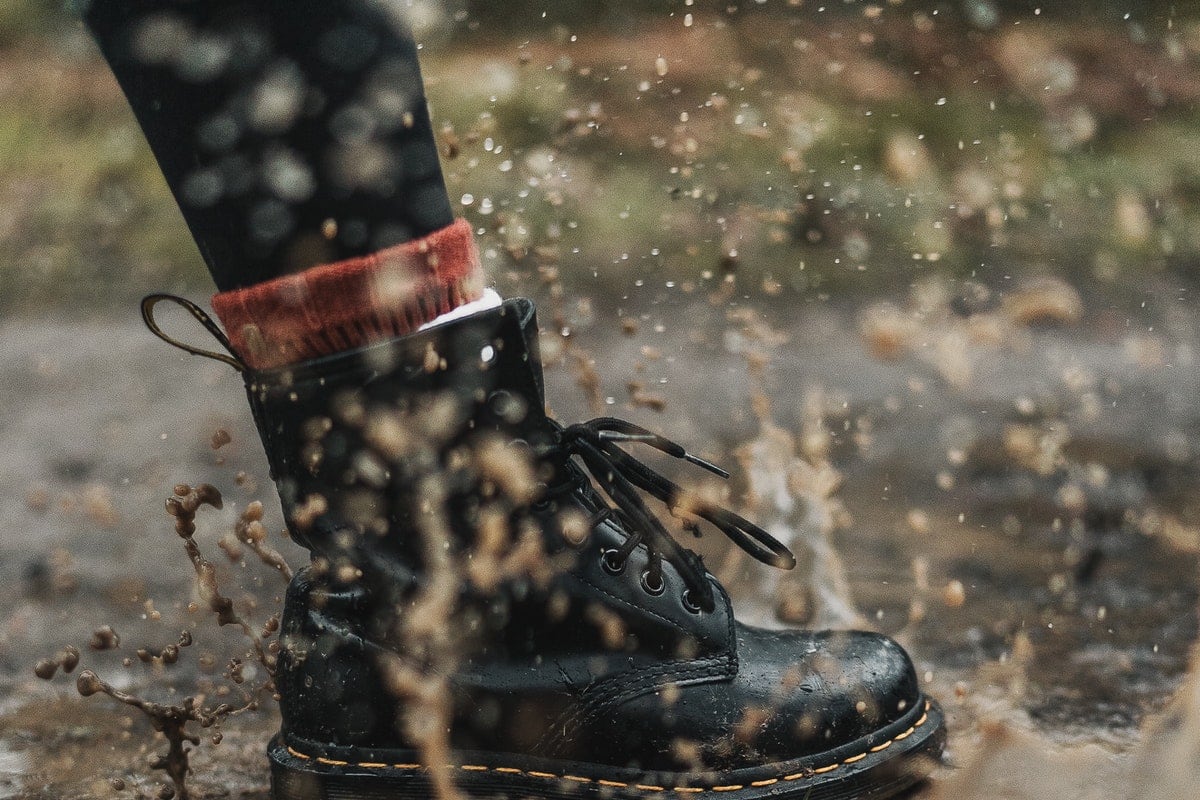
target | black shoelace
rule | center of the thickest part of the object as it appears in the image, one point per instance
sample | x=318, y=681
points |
x=619, y=475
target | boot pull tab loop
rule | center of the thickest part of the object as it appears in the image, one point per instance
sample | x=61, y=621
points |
x=229, y=357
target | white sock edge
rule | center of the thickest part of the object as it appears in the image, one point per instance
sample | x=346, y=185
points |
x=491, y=299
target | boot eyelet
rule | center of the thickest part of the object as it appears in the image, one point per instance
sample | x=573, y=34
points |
x=690, y=604
x=653, y=590
x=610, y=564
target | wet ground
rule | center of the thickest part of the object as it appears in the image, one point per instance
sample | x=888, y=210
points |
x=1010, y=493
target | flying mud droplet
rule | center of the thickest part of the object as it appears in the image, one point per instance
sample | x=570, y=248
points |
x=954, y=595
x=104, y=638
x=220, y=438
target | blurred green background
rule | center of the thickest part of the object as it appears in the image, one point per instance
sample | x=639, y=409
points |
x=808, y=149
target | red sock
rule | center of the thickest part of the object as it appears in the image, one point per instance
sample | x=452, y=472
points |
x=352, y=303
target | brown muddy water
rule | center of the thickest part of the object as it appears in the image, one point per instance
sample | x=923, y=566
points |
x=1011, y=493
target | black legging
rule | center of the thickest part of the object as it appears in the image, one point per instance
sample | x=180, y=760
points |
x=291, y=132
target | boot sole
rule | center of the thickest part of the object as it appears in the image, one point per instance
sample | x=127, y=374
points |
x=875, y=767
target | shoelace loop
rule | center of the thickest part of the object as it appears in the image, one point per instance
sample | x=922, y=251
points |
x=620, y=476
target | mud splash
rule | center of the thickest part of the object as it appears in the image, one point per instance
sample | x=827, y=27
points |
x=172, y=720
x=1009, y=758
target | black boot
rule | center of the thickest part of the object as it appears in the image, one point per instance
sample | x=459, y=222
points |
x=480, y=612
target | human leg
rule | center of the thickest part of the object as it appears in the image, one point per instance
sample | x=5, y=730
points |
x=292, y=133
x=296, y=139
x=574, y=647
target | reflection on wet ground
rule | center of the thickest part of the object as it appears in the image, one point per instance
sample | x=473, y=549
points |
x=1015, y=502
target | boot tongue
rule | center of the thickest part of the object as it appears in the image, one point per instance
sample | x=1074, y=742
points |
x=493, y=356
x=526, y=316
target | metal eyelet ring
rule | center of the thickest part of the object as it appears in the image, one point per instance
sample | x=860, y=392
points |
x=609, y=562
x=653, y=591
x=690, y=604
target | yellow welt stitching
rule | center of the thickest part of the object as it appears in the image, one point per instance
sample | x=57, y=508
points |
x=619, y=784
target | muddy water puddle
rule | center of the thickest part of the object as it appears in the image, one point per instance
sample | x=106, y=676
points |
x=61, y=747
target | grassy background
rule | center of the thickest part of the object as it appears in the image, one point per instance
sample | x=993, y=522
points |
x=812, y=150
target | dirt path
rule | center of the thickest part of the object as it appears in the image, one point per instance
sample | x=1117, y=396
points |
x=1076, y=628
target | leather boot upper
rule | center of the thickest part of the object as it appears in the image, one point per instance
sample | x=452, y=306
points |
x=616, y=647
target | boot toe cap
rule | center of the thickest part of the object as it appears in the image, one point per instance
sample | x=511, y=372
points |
x=795, y=694
x=850, y=684
x=801, y=693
